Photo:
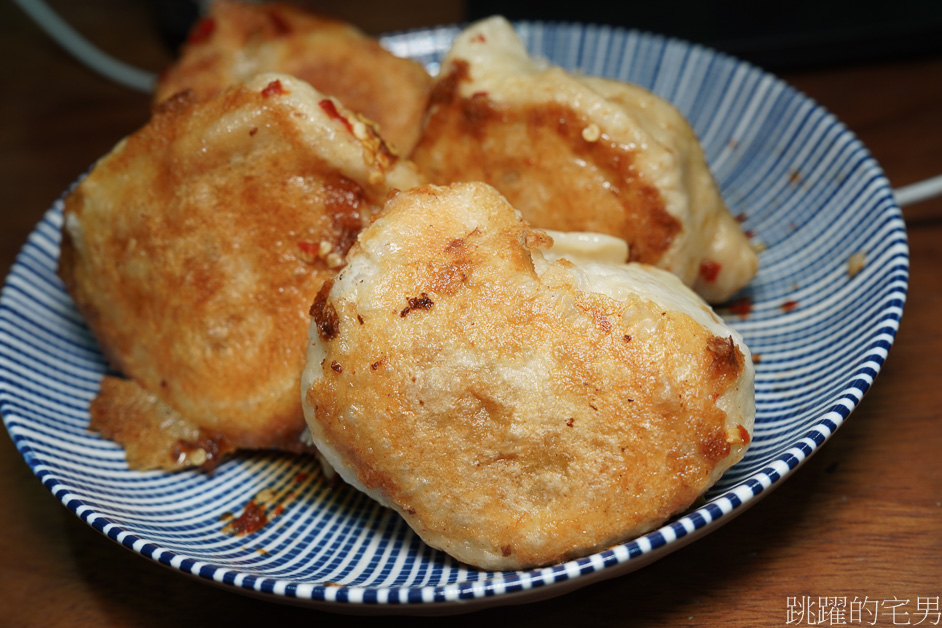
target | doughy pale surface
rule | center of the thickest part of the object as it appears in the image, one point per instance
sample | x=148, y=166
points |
x=578, y=153
x=517, y=409
x=194, y=250
x=238, y=40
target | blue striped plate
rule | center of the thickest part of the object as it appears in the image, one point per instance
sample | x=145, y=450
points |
x=809, y=193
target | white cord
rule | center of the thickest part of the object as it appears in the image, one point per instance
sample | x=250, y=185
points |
x=919, y=191
x=84, y=51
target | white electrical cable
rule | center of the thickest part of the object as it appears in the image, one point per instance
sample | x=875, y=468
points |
x=919, y=191
x=144, y=81
x=84, y=51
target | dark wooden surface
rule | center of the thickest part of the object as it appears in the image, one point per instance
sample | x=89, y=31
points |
x=863, y=517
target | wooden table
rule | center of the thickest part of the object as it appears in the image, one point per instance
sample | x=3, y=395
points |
x=862, y=518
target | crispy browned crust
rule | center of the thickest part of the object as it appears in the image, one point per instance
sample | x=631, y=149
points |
x=581, y=153
x=152, y=434
x=537, y=157
x=511, y=416
x=195, y=248
x=238, y=39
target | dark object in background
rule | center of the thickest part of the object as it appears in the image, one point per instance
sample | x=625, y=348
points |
x=775, y=36
x=175, y=18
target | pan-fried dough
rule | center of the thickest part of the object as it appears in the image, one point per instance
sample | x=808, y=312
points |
x=579, y=153
x=515, y=407
x=194, y=250
x=238, y=40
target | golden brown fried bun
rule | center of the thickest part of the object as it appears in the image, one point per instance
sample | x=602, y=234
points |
x=578, y=153
x=518, y=409
x=238, y=40
x=194, y=250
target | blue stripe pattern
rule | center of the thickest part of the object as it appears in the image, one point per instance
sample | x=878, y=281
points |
x=809, y=192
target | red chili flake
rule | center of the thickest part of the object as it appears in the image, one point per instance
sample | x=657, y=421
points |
x=301, y=476
x=570, y=421
x=741, y=217
x=709, y=270
x=790, y=306
x=743, y=435
x=479, y=38
x=742, y=306
x=331, y=110
x=253, y=131
x=309, y=250
x=478, y=95
x=336, y=367
x=203, y=30
x=251, y=520
x=273, y=89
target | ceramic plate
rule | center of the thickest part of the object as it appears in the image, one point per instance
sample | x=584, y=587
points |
x=809, y=195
